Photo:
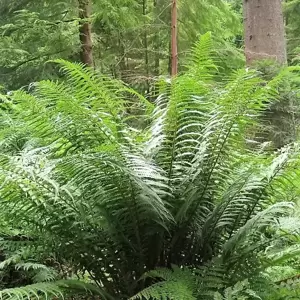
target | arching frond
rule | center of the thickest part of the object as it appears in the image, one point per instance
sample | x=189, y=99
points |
x=49, y=289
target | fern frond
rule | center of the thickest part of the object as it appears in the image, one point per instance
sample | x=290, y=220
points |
x=176, y=284
x=30, y=266
x=101, y=91
x=45, y=275
x=201, y=63
x=49, y=289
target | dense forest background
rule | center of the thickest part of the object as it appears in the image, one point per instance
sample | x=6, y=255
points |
x=131, y=39
x=149, y=149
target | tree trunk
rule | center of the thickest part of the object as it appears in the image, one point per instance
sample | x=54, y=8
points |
x=174, y=51
x=146, y=47
x=264, y=31
x=122, y=62
x=156, y=45
x=85, y=32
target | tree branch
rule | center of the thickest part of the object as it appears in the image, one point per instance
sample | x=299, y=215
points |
x=15, y=67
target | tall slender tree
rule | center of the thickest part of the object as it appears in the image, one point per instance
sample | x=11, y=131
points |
x=174, y=50
x=85, y=32
x=264, y=31
x=145, y=44
x=156, y=44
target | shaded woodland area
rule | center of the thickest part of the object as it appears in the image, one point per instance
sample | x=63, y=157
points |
x=149, y=149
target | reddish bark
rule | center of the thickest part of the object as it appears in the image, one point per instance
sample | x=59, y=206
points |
x=85, y=32
x=174, y=50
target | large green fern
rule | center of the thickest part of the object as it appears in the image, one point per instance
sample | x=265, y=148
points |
x=114, y=202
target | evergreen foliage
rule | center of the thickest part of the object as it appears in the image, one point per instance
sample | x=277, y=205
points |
x=127, y=35
x=292, y=8
x=33, y=32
